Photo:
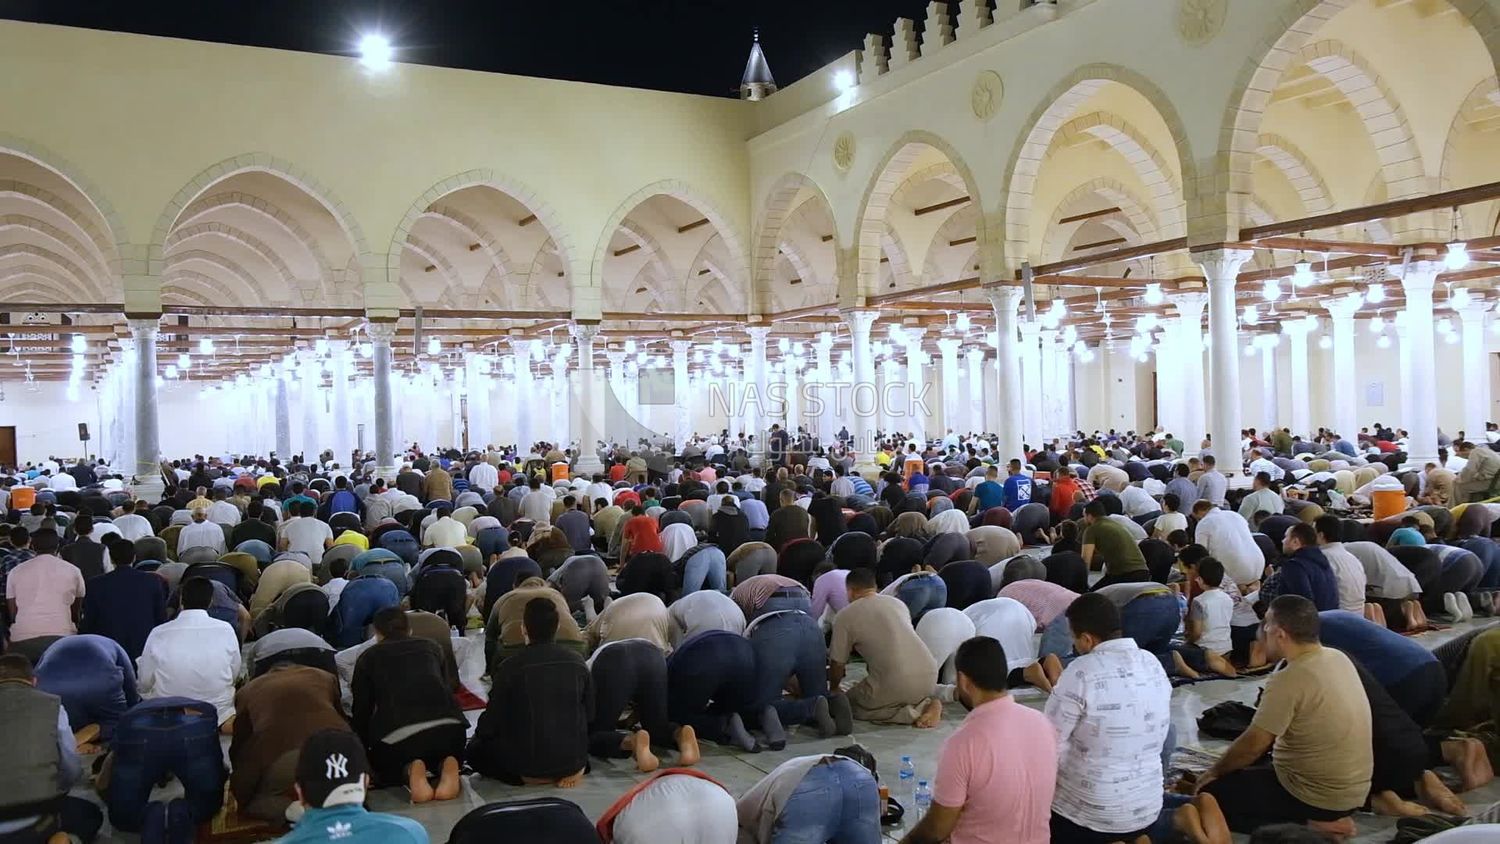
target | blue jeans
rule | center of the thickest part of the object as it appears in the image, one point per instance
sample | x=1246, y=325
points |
x=166, y=735
x=1057, y=638
x=709, y=678
x=787, y=644
x=789, y=598
x=923, y=593
x=1151, y=620
x=836, y=803
x=704, y=570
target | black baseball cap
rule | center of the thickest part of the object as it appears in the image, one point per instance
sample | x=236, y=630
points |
x=331, y=769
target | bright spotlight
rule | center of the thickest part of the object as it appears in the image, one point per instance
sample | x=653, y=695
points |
x=843, y=81
x=375, y=51
x=79, y=345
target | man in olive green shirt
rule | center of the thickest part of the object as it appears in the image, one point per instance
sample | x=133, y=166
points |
x=1109, y=546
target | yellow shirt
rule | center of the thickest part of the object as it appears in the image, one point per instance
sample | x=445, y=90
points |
x=355, y=538
x=882, y=458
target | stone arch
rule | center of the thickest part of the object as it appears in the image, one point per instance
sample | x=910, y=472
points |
x=685, y=193
x=273, y=214
x=943, y=172
x=1487, y=90
x=659, y=287
x=894, y=252
x=1276, y=54
x=199, y=287
x=1060, y=233
x=559, y=236
x=1045, y=122
x=768, y=239
x=472, y=228
x=235, y=271
x=960, y=224
x=60, y=286
x=1155, y=173
x=891, y=172
x=112, y=242
x=94, y=292
x=10, y=189
x=1294, y=165
x=260, y=162
x=452, y=284
x=182, y=234
x=66, y=243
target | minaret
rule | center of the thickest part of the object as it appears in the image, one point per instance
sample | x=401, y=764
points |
x=757, y=84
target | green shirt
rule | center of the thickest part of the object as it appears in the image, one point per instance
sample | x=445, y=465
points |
x=1113, y=545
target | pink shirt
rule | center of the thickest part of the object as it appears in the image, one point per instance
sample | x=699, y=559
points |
x=829, y=590
x=1000, y=767
x=44, y=589
x=1046, y=600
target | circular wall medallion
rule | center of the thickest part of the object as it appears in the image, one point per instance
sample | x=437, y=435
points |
x=843, y=151
x=985, y=97
x=1198, y=21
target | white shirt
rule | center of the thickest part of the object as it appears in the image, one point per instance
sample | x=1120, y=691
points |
x=942, y=630
x=1111, y=708
x=224, y=513
x=133, y=527
x=680, y=809
x=334, y=588
x=1132, y=527
x=307, y=535
x=446, y=532
x=103, y=529
x=1137, y=501
x=483, y=477
x=1350, y=574
x=1261, y=464
x=194, y=656
x=1383, y=572
x=1228, y=540
x=537, y=506
x=1166, y=523
x=1215, y=609
x=705, y=609
x=1008, y=622
x=62, y=481
x=204, y=534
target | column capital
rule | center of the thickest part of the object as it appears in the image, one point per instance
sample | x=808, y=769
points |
x=1189, y=305
x=1473, y=313
x=1343, y=308
x=144, y=329
x=681, y=347
x=758, y=335
x=1221, y=265
x=912, y=334
x=1417, y=276
x=616, y=357
x=1299, y=328
x=1031, y=330
x=860, y=320
x=975, y=353
x=381, y=331
x=824, y=343
x=1004, y=298
x=583, y=332
x=949, y=346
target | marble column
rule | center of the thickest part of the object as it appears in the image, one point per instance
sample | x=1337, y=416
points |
x=561, y=423
x=791, y=377
x=1169, y=388
x=125, y=380
x=1270, y=388
x=863, y=401
x=1403, y=358
x=1222, y=267
x=630, y=398
x=1194, y=407
x=477, y=378
x=521, y=350
x=682, y=406
x=588, y=400
x=916, y=381
x=757, y=414
x=147, y=434
x=1476, y=370
x=283, y=414
x=1047, y=392
x=948, y=347
x=382, y=334
x=1417, y=279
x=974, y=391
x=1028, y=393
x=1296, y=331
x=1008, y=395
x=823, y=422
x=312, y=398
x=343, y=434
x=1341, y=313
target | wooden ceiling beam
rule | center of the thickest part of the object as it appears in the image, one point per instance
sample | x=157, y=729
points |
x=928, y=209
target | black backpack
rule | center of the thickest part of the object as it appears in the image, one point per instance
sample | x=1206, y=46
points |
x=1226, y=720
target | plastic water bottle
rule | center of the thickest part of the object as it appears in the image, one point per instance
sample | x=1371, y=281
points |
x=923, y=800
x=908, y=777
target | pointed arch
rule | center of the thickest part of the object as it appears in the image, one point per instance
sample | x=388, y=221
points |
x=769, y=238
x=1299, y=172
x=1487, y=91
x=112, y=240
x=1157, y=176
x=1059, y=234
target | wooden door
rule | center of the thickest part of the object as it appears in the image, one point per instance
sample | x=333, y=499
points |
x=8, y=445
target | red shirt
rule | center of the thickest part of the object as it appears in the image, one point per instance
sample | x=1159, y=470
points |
x=617, y=473
x=640, y=532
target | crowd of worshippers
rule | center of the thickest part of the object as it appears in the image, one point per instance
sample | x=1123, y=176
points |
x=631, y=613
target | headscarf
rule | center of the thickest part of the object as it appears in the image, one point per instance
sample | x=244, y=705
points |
x=853, y=550
x=677, y=540
x=946, y=548
x=883, y=518
x=909, y=524
x=997, y=516
x=992, y=544
x=897, y=556
x=948, y=521
x=941, y=504
x=799, y=558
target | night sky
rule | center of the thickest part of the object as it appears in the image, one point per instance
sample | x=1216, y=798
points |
x=693, y=46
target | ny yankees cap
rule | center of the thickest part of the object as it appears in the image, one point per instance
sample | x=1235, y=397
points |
x=332, y=768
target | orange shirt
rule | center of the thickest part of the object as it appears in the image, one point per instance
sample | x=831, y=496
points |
x=641, y=533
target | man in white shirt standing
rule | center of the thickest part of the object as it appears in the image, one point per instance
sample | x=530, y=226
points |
x=201, y=533
x=306, y=534
x=536, y=505
x=223, y=511
x=194, y=655
x=1112, y=709
x=483, y=476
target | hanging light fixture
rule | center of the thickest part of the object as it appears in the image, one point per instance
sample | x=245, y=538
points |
x=1154, y=295
x=1251, y=316
x=320, y=346
x=184, y=361
x=79, y=345
x=1302, y=275
x=1325, y=342
x=1458, y=251
x=1384, y=342
x=1271, y=290
x=1459, y=298
x=434, y=346
x=1376, y=294
x=1377, y=325
x=961, y=322
x=206, y=347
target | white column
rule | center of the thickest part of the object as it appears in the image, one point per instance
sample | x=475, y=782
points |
x=521, y=351
x=1403, y=358
x=343, y=435
x=147, y=434
x=1476, y=371
x=381, y=335
x=562, y=427
x=790, y=375
x=974, y=391
x=1008, y=394
x=863, y=398
x=477, y=378
x=1222, y=268
x=1169, y=390
x=824, y=424
x=681, y=406
x=1341, y=312
x=1269, y=387
x=283, y=414
x=890, y=373
x=948, y=348
x=1029, y=391
x=1296, y=331
x=312, y=398
x=1194, y=416
x=916, y=379
x=757, y=414
x=630, y=383
x=588, y=400
x=125, y=380
x=1046, y=393
x=1417, y=279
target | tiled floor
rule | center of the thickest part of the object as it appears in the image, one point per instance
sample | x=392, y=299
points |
x=738, y=770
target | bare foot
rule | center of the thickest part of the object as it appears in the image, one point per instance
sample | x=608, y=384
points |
x=688, y=753
x=1218, y=664
x=570, y=781
x=86, y=735
x=1389, y=804
x=1036, y=675
x=1257, y=656
x=416, y=782
x=1434, y=793
x=1052, y=666
x=1337, y=830
x=1468, y=757
x=645, y=760
x=1187, y=822
x=1183, y=670
x=1214, y=822
x=449, y=784
x=932, y=715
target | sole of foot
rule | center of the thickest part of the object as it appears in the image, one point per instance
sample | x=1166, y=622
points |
x=645, y=760
x=1472, y=762
x=417, y=784
x=570, y=781
x=688, y=752
x=1390, y=805
x=1339, y=830
x=931, y=716
x=1450, y=606
x=450, y=782
x=1436, y=794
